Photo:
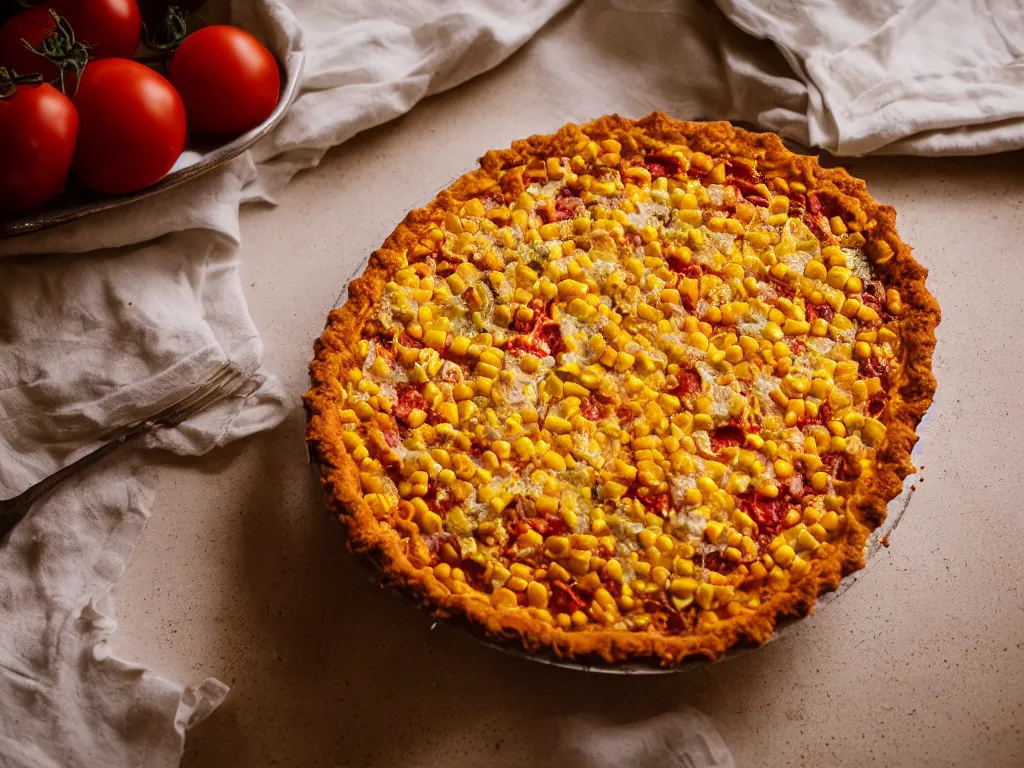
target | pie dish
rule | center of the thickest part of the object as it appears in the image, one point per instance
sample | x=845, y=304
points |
x=633, y=391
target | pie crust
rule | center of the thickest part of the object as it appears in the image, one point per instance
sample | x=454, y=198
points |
x=385, y=529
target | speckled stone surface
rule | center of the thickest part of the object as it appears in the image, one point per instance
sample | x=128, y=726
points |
x=241, y=574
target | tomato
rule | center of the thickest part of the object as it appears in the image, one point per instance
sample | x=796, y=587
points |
x=104, y=28
x=111, y=28
x=132, y=126
x=38, y=126
x=32, y=24
x=228, y=80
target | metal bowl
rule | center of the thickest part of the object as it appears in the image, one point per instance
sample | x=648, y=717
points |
x=77, y=203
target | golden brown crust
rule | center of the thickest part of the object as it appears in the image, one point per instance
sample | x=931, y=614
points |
x=910, y=393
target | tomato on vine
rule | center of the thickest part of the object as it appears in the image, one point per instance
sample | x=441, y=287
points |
x=38, y=128
x=56, y=39
x=132, y=126
x=228, y=80
x=38, y=40
x=108, y=28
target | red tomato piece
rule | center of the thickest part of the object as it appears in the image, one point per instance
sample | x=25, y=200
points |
x=132, y=126
x=549, y=335
x=229, y=81
x=556, y=527
x=876, y=403
x=876, y=367
x=567, y=205
x=408, y=398
x=769, y=514
x=659, y=504
x=814, y=311
x=408, y=341
x=38, y=128
x=590, y=409
x=728, y=435
x=689, y=383
x=564, y=599
x=659, y=166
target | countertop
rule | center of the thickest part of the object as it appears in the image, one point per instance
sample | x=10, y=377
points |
x=242, y=575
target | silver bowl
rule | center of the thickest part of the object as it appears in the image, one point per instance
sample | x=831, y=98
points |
x=78, y=203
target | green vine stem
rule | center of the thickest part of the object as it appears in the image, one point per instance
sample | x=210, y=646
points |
x=10, y=80
x=60, y=47
x=168, y=34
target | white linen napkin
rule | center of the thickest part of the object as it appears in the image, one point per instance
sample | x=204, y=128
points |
x=88, y=342
x=849, y=76
x=138, y=306
x=889, y=76
x=685, y=738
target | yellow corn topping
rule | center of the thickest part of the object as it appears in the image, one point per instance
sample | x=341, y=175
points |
x=616, y=381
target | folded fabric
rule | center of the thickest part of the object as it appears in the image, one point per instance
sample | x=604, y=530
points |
x=95, y=341
x=891, y=76
x=87, y=343
x=682, y=738
x=64, y=701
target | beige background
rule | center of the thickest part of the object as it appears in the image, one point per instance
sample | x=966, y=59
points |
x=242, y=575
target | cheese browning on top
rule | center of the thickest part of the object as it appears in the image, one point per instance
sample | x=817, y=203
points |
x=630, y=396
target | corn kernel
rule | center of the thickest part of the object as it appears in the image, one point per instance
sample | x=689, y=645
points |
x=430, y=522
x=705, y=596
x=524, y=447
x=772, y=331
x=806, y=541
x=784, y=555
x=873, y=431
x=537, y=595
x=838, y=276
x=830, y=521
x=553, y=461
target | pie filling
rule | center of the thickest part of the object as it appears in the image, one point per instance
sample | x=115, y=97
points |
x=629, y=397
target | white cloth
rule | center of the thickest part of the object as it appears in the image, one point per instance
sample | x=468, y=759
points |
x=142, y=304
x=685, y=738
x=953, y=83
x=930, y=77
x=89, y=342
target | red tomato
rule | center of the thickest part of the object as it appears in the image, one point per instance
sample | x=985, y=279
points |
x=38, y=126
x=108, y=27
x=33, y=25
x=228, y=80
x=111, y=28
x=132, y=126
